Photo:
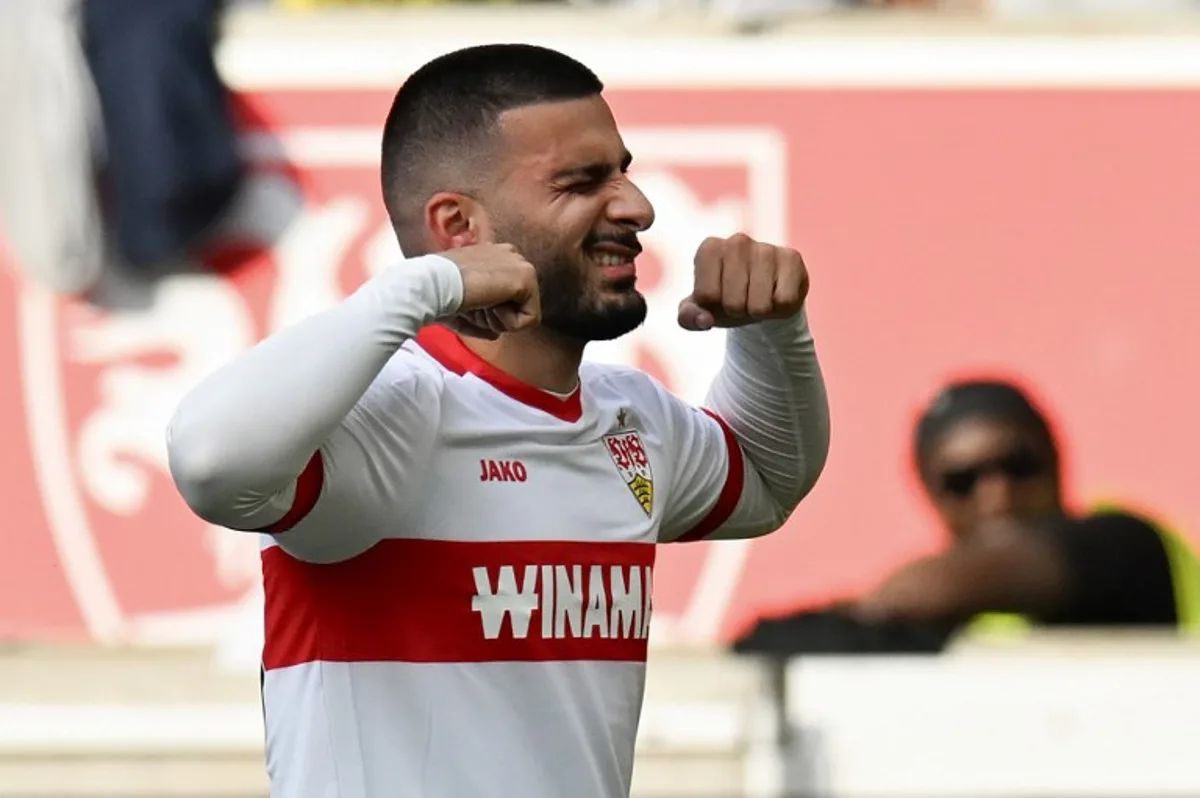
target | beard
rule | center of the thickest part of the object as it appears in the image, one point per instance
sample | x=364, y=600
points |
x=571, y=308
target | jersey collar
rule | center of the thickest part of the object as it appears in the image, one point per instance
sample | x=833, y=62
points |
x=444, y=346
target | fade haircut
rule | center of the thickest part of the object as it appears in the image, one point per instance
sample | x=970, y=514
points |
x=440, y=132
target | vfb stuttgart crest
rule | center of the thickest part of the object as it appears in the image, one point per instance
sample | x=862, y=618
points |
x=629, y=456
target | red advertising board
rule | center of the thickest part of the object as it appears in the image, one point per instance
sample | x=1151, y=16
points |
x=1048, y=233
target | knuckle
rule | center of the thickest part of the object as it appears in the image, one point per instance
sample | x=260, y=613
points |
x=741, y=245
x=707, y=295
x=709, y=248
x=789, y=290
x=760, y=308
x=766, y=252
x=787, y=299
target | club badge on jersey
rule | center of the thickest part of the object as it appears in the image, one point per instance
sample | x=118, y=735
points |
x=628, y=454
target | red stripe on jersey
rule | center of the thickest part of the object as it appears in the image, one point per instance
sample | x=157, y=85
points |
x=731, y=492
x=408, y=600
x=308, y=490
x=449, y=350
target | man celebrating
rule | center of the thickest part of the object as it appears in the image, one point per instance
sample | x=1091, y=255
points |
x=459, y=516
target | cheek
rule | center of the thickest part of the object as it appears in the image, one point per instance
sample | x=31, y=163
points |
x=554, y=254
x=580, y=217
x=955, y=513
x=1040, y=494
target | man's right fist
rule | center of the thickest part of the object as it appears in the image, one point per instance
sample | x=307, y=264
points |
x=500, y=291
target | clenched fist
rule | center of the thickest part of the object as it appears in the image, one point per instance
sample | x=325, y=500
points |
x=740, y=281
x=500, y=291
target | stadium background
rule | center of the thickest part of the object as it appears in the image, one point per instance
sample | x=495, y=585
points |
x=974, y=190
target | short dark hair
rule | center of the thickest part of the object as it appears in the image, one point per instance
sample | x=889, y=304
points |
x=970, y=399
x=445, y=112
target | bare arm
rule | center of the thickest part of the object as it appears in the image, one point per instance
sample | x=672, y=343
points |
x=1106, y=569
x=1004, y=570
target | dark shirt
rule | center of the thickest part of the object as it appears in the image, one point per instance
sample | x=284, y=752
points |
x=1119, y=572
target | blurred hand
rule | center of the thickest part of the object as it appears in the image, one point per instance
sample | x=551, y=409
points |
x=500, y=291
x=740, y=281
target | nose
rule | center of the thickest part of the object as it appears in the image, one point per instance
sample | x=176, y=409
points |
x=994, y=496
x=629, y=207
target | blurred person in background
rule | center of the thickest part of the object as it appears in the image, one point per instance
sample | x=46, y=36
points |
x=989, y=462
x=50, y=218
x=119, y=147
x=172, y=167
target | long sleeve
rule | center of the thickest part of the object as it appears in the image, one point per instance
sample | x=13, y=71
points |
x=243, y=443
x=744, y=466
x=771, y=394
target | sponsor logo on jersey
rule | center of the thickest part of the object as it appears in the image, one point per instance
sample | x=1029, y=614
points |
x=454, y=601
x=570, y=601
x=628, y=454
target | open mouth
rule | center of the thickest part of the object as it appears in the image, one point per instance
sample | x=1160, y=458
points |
x=615, y=262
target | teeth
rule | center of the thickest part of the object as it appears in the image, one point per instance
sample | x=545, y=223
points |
x=605, y=259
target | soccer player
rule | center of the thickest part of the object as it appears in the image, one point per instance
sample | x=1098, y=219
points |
x=459, y=517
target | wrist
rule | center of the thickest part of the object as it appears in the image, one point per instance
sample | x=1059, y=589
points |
x=444, y=288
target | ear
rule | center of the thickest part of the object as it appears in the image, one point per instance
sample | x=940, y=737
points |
x=456, y=220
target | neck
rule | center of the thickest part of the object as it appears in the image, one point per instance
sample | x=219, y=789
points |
x=537, y=357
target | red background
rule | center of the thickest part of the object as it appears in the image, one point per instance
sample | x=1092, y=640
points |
x=1050, y=234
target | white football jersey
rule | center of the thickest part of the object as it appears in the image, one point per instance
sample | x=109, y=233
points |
x=458, y=583
x=464, y=611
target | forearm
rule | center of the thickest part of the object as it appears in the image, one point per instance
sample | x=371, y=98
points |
x=251, y=428
x=772, y=395
x=1008, y=570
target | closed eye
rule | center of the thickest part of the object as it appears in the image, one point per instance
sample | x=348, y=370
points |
x=584, y=186
x=590, y=177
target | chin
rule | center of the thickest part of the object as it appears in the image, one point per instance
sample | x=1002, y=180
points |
x=617, y=317
x=622, y=288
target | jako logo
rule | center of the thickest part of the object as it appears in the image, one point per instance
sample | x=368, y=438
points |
x=502, y=471
x=611, y=602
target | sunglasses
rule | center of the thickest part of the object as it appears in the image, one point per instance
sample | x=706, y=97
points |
x=1019, y=465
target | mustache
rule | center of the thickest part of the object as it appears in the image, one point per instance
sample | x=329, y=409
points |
x=626, y=239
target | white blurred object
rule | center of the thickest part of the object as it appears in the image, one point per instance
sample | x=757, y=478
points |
x=757, y=8
x=49, y=211
x=1016, y=8
x=1057, y=720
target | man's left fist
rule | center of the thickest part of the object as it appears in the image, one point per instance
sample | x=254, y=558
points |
x=740, y=281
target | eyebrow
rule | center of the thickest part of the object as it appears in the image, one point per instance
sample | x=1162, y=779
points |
x=597, y=171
